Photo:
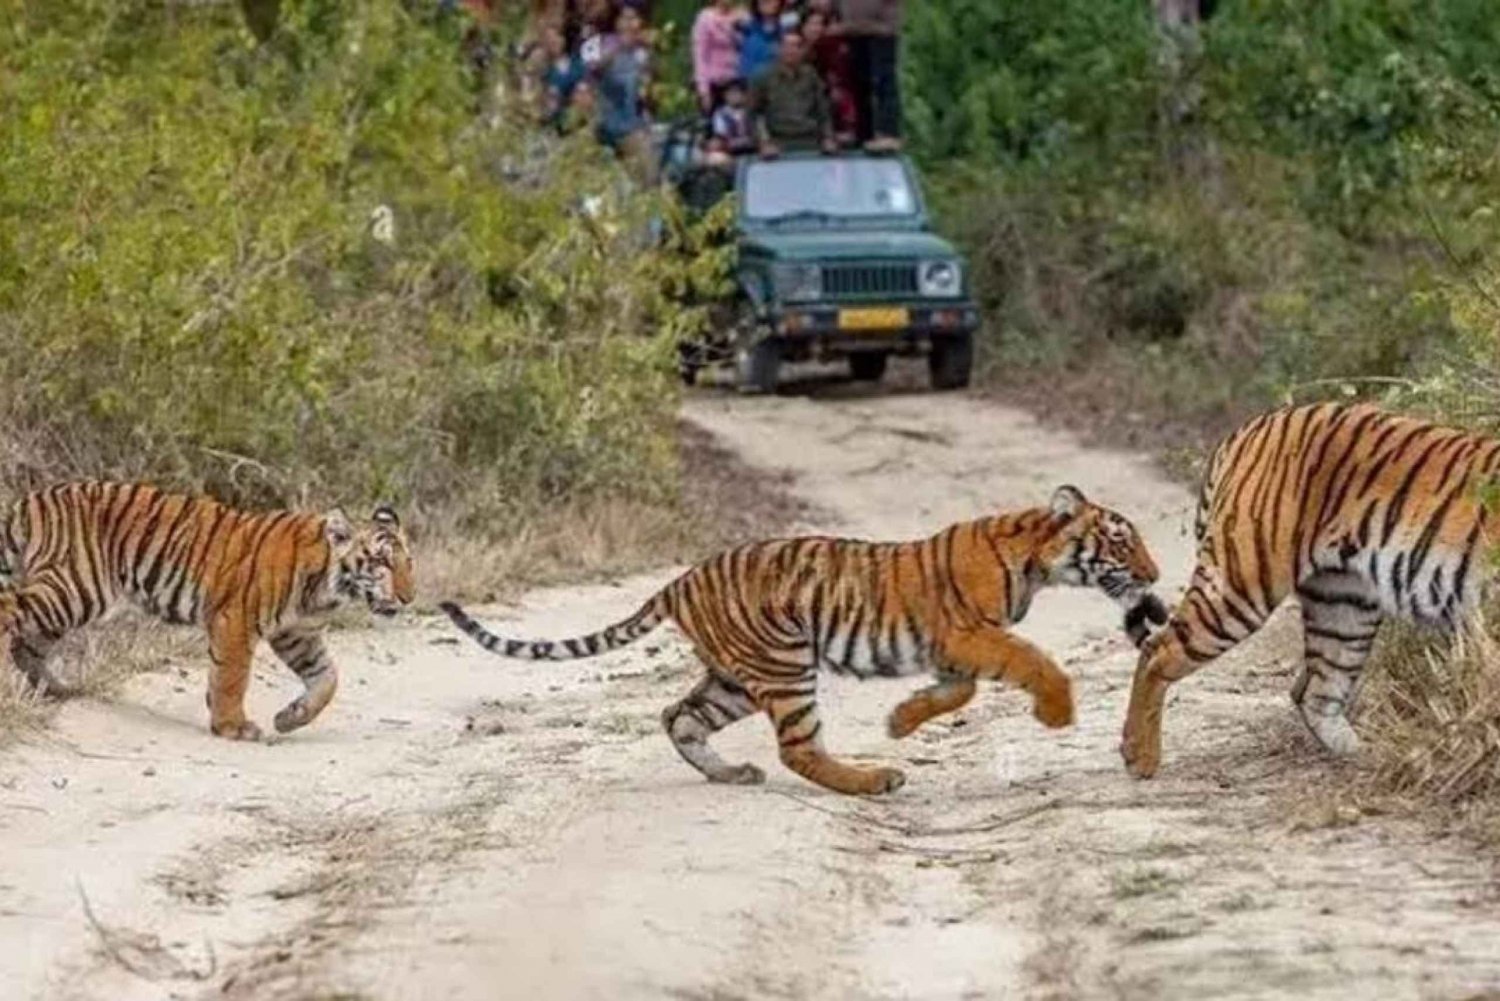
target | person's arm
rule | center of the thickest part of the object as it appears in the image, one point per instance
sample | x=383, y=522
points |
x=756, y=108
x=823, y=114
x=700, y=57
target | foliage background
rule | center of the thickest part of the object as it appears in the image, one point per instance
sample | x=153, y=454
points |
x=1300, y=201
x=191, y=287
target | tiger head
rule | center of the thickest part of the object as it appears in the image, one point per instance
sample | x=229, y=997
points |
x=373, y=562
x=1096, y=547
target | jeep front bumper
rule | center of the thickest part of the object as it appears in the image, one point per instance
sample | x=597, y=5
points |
x=870, y=326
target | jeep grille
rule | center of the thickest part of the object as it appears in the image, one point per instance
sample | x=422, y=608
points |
x=869, y=280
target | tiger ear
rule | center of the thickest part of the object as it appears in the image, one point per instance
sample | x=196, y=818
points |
x=1067, y=501
x=385, y=516
x=337, y=530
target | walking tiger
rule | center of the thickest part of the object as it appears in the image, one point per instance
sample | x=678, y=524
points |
x=764, y=617
x=1362, y=514
x=72, y=553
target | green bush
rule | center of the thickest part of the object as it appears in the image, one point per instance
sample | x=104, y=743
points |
x=1297, y=226
x=197, y=283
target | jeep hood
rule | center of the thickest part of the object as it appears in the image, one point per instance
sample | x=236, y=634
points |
x=833, y=244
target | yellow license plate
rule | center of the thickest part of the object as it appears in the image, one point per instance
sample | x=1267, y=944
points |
x=874, y=319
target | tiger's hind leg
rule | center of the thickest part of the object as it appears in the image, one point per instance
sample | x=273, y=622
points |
x=29, y=653
x=793, y=708
x=1340, y=616
x=714, y=703
x=36, y=615
x=302, y=650
x=951, y=692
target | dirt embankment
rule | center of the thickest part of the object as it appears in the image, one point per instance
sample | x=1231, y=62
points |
x=458, y=826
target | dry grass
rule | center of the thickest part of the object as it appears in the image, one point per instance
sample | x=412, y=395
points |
x=1431, y=726
x=21, y=710
x=724, y=503
x=95, y=663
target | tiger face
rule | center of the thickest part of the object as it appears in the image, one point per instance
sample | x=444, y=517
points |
x=1097, y=547
x=373, y=563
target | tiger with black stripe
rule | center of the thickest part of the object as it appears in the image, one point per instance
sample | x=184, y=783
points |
x=1362, y=514
x=765, y=617
x=71, y=554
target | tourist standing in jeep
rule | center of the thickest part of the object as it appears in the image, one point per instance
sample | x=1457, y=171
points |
x=873, y=28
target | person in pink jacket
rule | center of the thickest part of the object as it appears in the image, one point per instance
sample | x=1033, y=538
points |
x=716, y=50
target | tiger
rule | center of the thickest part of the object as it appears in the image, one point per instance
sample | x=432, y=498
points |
x=763, y=618
x=1360, y=513
x=73, y=553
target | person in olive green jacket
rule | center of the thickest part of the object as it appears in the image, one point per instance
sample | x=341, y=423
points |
x=789, y=103
x=873, y=28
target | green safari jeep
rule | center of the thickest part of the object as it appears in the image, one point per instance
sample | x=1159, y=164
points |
x=837, y=259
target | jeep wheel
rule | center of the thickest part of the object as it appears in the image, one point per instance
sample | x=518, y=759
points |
x=868, y=366
x=689, y=363
x=950, y=361
x=757, y=366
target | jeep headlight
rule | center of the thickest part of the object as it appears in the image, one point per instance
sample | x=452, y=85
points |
x=799, y=282
x=939, y=279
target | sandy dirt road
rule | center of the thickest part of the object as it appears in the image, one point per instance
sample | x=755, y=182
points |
x=457, y=826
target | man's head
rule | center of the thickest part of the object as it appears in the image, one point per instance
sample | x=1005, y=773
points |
x=793, y=49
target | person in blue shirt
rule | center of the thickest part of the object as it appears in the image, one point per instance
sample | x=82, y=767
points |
x=561, y=75
x=760, y=39
x=622, y=72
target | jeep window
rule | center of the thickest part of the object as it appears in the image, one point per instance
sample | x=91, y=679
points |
x=828, y=188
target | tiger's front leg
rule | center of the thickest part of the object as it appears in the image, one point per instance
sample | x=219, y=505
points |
x=230, y=645
x=990, y=652
x=302, y=650
x=953, y=691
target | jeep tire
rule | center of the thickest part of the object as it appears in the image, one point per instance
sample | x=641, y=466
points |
x=950, y=361
x=868, y=366
x=757, y=366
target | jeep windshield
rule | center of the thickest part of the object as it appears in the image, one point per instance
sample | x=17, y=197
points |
x=825, y=188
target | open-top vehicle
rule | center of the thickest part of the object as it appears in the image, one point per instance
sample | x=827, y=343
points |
x=837, y=259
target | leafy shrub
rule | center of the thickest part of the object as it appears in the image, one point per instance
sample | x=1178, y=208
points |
x=306, y=269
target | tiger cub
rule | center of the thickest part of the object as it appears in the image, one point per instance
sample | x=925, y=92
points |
x=1362, y=514
x=766, y=616
x=70, y=554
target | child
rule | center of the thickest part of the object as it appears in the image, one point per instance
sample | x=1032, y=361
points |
x=730, y=127
x=716, y=49
x=760, y=39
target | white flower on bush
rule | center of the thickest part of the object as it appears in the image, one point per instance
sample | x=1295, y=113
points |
x=383, y=225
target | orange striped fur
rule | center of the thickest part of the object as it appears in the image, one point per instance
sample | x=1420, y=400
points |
x=1362, y=514
x=765, y=617
x=71, y=554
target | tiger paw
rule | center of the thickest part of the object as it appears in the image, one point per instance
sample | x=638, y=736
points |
x=901, y=723
x=292, y=717
x=236, y=730
x=1055, y=709
x=740, y=775
x=879, y=781
x=1141, y=760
